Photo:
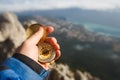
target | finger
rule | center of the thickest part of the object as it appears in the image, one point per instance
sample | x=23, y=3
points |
x=58, y=54
x=34, y=39
x=53, y=42
x=49, y=29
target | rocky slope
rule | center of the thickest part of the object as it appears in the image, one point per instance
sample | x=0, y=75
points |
x=63, y=72
x=12, y=34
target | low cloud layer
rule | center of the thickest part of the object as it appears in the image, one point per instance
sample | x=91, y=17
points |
x=21, y=5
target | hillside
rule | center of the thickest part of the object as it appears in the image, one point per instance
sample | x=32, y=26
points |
x=85, y=50
x=81, y=49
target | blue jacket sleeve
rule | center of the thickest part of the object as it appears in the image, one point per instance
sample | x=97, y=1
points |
x=9, y=74
x=17, y=70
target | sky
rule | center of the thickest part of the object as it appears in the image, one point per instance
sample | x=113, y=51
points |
x=23, y=5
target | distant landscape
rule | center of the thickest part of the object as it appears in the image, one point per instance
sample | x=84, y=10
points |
x=95, y=48
x=88, y=32
x=98, y=21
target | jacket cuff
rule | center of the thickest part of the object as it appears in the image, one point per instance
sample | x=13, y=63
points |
x=29, y=62
x=24, y=71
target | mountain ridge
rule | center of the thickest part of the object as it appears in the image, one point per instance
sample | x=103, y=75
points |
x=110, y=18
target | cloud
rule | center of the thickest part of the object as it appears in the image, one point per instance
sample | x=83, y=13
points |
x=21, y=5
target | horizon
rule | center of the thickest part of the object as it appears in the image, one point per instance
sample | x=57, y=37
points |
x=25, y=5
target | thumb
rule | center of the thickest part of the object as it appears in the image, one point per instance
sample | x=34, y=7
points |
x=35, y=38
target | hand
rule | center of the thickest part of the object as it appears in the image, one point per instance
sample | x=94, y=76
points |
x=29, y=47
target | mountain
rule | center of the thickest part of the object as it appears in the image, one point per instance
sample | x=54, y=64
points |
x=82, y=49
x=85, y=50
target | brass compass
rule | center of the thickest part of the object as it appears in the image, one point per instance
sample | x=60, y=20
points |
x=45, y=50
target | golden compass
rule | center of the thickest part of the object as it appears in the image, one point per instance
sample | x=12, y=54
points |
x=45, y=50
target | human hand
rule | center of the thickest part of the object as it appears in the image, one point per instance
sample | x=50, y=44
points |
x=29, y=47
